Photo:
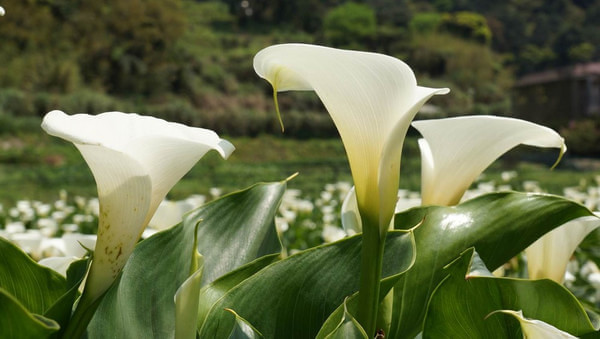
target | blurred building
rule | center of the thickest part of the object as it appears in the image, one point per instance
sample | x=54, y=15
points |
x=555, y=97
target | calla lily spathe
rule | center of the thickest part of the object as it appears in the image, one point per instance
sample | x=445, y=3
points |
x=536, y=329
x=372, y=98
x=549, y=255
x=135, y=161
x=455, y=151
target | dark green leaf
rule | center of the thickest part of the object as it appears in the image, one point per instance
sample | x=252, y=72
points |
x=212, y=292
x=17, y=322
x=498, y=225
x=348, y=328
x=36, y=287
x=61, y=310
x=238, y=228
x=293, y=297
x=461, y=306
x=232, y=231
x=243, y=329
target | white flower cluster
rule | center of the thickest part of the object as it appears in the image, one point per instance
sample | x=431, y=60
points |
x=43, y=229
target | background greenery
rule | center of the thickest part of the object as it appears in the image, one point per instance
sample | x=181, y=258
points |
x=191, y=61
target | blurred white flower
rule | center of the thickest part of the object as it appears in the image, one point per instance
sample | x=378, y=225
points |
x=15, y=227
x=29, y=242
x=58, y=264
x=549, y=255
x=169, y=213
x=332, y=233
x=508, y=175
x=281, y=224
x=215, y=192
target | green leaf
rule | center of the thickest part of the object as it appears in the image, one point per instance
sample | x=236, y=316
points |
x=186, y=306
x=36, y=287
x=498, y=225
x=17, y=322
x=238, y=228
x=62, y=308
x=351, y=304
x=211, y=293
x=242, y=328
x=348, y=328
x=140, y=304
x=467, y=299
x=293, y=297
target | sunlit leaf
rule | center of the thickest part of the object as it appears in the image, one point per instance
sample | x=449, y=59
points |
x=141, y=303
x=291, y=298
x=464, y=303
x=499, y=225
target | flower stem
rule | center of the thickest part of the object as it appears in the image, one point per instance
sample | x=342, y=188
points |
x=81, y=317
x=370, y=277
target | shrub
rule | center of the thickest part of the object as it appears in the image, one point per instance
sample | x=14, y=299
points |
x=583, y=137
x=349, y=24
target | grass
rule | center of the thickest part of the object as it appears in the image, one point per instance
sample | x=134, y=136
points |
x=36, y=166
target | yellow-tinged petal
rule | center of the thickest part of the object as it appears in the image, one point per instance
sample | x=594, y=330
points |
x=455, y=151
x=536, y=329
x=371, y=98
x=186, y=306
x=135, y=161
x=549, y=255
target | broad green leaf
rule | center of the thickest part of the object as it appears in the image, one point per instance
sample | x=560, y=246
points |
x=188, y=296
x=237, y=229
x=36, y=287
x=186, y=306
x=463, y=304
x=211, y=293
x=348, y=328
x=498, y=225
x=141, y=302
x=351, y=304
x=18, y=322
x=242, y=329
x=293, y=297
x=62, y=308
x=536, y=329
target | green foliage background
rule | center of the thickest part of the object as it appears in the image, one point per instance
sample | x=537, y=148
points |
x=191, y=61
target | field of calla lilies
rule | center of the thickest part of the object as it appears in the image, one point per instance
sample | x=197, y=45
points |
x=362, y=260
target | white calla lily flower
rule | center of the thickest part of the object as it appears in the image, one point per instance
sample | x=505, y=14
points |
x=169, y=213
x=455, y=151
x=536, y=329
x=2, y=11
x=135, y=161
x=549, y=255
x=372, y=98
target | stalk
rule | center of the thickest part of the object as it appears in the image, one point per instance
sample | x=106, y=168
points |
x=370, y=276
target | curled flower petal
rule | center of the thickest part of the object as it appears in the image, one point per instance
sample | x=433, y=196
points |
x=536, y=329
x=455, y=151
x=135, y=161
x=350, y=215
x=549, y=255
x=371, y=98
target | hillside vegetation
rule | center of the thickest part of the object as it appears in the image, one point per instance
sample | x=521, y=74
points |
x=191, y=61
